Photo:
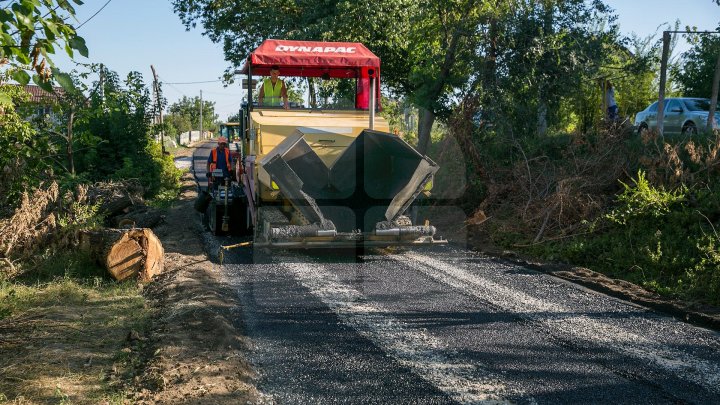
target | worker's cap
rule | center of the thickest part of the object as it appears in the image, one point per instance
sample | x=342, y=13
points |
x=222, y=139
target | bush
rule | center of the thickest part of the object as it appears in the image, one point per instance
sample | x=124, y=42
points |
x=22, y=160
x=664, y=240
x=156, y=172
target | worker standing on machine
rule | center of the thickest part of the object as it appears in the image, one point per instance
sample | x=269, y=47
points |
x=273, y=89
x=220, y=159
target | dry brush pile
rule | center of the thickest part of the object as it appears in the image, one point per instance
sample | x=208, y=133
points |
x=639, y=207
x=49, y=220
x=551, y=192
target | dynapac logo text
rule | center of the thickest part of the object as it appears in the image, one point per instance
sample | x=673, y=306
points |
x=316, y=49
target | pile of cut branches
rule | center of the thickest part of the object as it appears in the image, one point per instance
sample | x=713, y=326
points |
x=47, y=218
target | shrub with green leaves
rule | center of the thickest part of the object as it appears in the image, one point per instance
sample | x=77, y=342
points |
x=664, y=240
x=22, y=157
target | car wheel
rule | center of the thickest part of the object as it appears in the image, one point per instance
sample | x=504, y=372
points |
x=689, y=129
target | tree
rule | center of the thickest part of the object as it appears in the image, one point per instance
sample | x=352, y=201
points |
x=22, y=160
x=178, y=123
x=402, y=32
x=189, y=109
x=698, y=66
x=30, y=31
x=433, y=51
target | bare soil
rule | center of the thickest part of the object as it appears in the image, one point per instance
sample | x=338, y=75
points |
x=171, y=341
x=195, y=349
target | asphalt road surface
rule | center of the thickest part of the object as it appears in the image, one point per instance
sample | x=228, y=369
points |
x=444, y=325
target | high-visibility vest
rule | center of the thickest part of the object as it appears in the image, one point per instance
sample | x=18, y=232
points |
x=272, y=93
x=213, y=165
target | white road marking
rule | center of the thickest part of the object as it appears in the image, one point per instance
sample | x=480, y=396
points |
x=568, y=322
x=463, y=382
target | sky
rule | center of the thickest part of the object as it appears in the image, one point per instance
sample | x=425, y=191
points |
x=131, y=35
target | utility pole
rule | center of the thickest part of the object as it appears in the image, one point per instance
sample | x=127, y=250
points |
x=663, y=80
x=102, y=86
x=714, y=95
x=156, y=86
x=201, y=128
x=663, y=75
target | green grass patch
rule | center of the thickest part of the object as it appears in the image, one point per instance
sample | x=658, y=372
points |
x=666, y=241
x=63, y=325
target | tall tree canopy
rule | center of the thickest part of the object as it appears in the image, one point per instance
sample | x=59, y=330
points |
x=432, y=51
x=187, y=110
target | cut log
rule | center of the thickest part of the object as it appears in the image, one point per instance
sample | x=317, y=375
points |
x=126, y=253
x=114, y=205
x=140, y=217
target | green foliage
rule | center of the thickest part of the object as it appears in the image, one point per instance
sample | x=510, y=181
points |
x=642, y=199
x=186, y=112
x=31, y=29
x=115, y=136
x=22, y=154
x=177, y=124
x=663, y=240
x=156, y=172
x=698, y=67
x=393, y=112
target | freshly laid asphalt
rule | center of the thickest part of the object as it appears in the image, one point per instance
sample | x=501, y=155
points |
x=445, y=325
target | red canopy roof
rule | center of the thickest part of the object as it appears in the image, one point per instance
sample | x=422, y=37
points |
x=313, y=59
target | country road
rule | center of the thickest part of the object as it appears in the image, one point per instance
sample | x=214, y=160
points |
x=445, y=325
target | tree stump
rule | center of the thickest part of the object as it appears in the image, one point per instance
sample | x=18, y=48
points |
x=126, y=253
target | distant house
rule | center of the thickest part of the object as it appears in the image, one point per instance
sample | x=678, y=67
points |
x=41, y=102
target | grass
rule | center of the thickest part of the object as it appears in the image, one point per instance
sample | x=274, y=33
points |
x=63, y=325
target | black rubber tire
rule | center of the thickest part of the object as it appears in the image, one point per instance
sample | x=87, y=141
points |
x=689, y=129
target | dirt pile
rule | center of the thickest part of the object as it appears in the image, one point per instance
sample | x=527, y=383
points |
x=195, y=354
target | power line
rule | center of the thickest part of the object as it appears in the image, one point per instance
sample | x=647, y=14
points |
x=93, y=16
x=201, y=82
x=176, y=89
x=217, y=93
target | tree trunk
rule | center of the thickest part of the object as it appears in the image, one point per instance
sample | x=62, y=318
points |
x=71, y=159
x=490, y=75
x=116, y=205
x=714, y=96
x=139, y=217
x=311, y=93
x=435, y=90
x=542, y=118
x=126, y=253
x=425, y=123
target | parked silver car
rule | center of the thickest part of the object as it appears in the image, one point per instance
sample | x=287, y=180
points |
x=682, y=116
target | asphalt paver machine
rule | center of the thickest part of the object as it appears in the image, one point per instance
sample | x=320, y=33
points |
x=322, y=177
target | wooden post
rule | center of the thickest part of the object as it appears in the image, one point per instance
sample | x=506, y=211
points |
x=663, y=79
x=714, y=95
x=201, y=108
x=156, y=86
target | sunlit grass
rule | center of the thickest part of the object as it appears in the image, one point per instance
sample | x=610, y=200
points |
x=62, y=325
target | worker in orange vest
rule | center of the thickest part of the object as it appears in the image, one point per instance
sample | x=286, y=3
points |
x=220, y=159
